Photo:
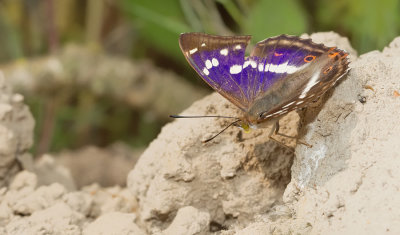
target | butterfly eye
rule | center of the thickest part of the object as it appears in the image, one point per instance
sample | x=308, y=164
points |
x=328, y=70
x=309, y=58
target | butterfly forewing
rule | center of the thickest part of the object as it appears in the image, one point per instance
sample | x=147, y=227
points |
x=219, y=60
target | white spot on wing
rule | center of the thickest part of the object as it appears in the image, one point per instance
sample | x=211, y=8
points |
x=215, y=62
x=284, y=68
x=292, y=69
x=269, y=115
x=208, y=64
x=277, y=112
x=261, y=67
x=337, y=79
x=250, y=62
x=235, y=69
x=193, y=51
x=310, y=84
x=289, y=104
x=205, y=71
x=271, y=67
x=238, y=47
x=224, y=52
x=203, y=44
x=266, y=69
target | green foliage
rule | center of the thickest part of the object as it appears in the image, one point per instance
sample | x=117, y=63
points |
x=370, y=24
x=11, y=44
x=159, y=22
x=83, y=119
x=271, y=18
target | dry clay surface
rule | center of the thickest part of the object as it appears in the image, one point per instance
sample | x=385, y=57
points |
x=243, y=183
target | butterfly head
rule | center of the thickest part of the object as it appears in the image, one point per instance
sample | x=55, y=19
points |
x=249, y=122
x=244, y=126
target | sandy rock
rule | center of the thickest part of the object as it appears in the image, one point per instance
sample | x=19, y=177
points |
x=114, y=199
x=253, y=229
x=105, y=166
x=23, y=185
x=234, y=176
x=114, y=223
x=348, y=183
x=189, y=221
x=48, y=171
x=81, y=202
x=24, y=181
x=16, y=131
x=57, y=219
x=43, y=197
x=26, y=208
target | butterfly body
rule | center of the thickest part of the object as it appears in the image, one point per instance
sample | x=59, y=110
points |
x=281, y=74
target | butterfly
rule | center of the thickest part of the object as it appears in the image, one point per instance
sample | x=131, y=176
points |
x=281, y=74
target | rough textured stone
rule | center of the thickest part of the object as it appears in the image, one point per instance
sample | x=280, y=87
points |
x=235, y=176
x=189, y=221
x=348, y=182
x=114, y=223
x=16, y=131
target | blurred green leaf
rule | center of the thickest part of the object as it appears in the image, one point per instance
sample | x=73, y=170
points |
x=233, y=10
x=160, y=23
x=10, y=41
x=269, y=18
x=370, y=24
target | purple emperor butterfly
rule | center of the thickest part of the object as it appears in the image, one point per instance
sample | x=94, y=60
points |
x=281, y=74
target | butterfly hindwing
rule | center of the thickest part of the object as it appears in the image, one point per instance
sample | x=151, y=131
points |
x=310, y=69
x=278, y=57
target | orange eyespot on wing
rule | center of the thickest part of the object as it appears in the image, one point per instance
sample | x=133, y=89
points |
x=332, y=55
x=309, y=58
x=331, y=49
x=328, y=70
x=278, y=54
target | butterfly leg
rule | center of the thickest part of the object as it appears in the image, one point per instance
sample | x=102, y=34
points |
x=276, y=132
x=274, y=129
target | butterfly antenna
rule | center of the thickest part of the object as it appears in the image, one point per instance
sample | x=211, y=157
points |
x=211, y=116
x=233, y=123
